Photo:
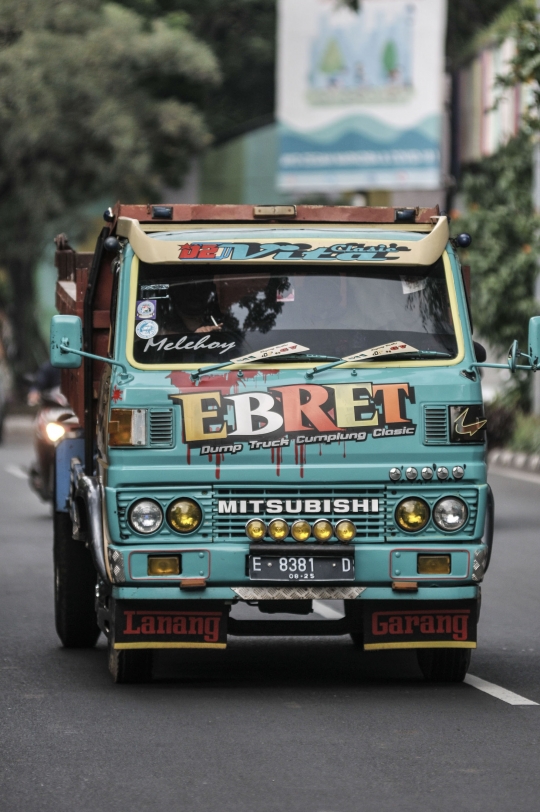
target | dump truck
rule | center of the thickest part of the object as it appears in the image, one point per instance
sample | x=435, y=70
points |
x=277, y=405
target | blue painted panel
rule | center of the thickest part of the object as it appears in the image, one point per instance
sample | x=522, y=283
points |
x=65, y=451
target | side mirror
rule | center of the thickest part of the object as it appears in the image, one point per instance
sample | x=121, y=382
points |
x=66, y=331
x=534, y=340
x=480, y=352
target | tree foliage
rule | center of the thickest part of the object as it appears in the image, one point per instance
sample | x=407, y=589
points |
x=503, y=255
x=466, y=18
x=242, y=35
x=524, y=68
x=91, y=104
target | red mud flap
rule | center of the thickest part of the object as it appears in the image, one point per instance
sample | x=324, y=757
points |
x=420, y=624
x=170, y=624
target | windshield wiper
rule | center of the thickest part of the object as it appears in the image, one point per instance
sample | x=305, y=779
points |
x=394, y=349
x=408, y=356
x=289, y=348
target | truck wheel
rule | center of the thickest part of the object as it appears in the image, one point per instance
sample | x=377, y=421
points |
x=444, y=664
x=74, y=588
x=131, y=665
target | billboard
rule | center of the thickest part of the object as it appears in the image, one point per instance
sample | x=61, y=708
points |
x=360, y=95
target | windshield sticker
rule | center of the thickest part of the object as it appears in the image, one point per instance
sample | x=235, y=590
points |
x=393, y=348
x=146, y=309
x=218, y=423
x=147, y=328
x=412, y=284
x=285, y=295
x=288, y=251
x=155, y=291
x=289, y=348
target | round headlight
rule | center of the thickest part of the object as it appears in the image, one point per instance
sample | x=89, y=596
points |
x=301, y=530
x=450, y=513
x=146, y=516
x=412, y=514
x=345, y=531
x=278, y=529
x=184, y=515
x=323, y=530
x=256, y=529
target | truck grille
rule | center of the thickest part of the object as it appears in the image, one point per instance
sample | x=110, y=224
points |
x=435, y=425
x=370, y=526
x=161, y=428
x=230, y=527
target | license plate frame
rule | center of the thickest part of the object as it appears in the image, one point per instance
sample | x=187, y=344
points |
x=301, y=569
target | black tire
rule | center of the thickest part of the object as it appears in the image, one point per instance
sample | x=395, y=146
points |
x=444, y=664
x=129, y=666
x=74, y=588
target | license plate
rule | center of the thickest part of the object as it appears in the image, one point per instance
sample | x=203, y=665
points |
x=300, y=568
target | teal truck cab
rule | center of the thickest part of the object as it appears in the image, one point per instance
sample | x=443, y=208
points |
x=277, y=405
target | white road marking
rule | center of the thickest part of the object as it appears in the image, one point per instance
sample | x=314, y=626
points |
x=499, y=693
x=322, y=608
x=17, y=470
x=512, y=473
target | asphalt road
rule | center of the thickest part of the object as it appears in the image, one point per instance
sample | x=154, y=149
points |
x=279, y=725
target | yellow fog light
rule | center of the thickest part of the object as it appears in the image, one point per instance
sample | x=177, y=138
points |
x=323, y=530
x=54, y=431
x=412, y=514
x=434, y=565
x=345, y=531
x=278, y=529
x=256, y=529
x=301, y=530
x=159, y=565
x=184, y=515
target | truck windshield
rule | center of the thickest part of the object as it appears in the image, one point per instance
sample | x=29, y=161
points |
x=194, y=315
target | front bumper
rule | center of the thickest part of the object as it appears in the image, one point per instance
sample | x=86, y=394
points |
x=225, y=565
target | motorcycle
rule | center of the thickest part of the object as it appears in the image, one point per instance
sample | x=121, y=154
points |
x=54, y=421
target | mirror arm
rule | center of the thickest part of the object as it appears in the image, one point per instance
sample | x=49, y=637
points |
x=529, y=368
x=124, y=377
x=512, y=363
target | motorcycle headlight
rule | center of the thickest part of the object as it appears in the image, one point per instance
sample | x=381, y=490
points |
x=184, y=515
x=450, y=513
x=54, y=431
x=146, y=516
x=412, y=514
